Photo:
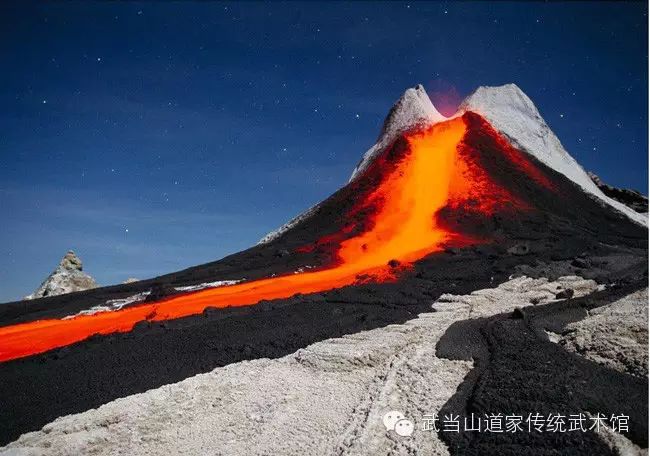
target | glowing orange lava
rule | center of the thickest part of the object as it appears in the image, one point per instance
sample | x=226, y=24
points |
x=431, y=174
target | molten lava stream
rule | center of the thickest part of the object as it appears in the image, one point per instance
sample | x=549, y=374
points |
x=403, y=228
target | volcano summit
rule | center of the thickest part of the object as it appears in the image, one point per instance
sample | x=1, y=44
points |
x=436, y=210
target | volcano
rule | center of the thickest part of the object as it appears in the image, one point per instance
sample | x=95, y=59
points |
x=438, y=205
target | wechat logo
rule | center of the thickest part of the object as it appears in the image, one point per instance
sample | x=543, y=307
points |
x=396, y=421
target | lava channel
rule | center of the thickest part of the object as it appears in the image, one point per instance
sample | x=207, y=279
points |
x=432, y=174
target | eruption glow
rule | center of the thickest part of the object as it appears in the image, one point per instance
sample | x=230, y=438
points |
x=432, y=174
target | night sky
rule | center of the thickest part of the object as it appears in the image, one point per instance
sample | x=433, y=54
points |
x=152, y=137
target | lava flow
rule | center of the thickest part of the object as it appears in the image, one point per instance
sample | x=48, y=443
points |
x=431, y=174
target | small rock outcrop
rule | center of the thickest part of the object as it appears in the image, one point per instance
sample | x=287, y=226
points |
x=66, y=278
x=631, y=198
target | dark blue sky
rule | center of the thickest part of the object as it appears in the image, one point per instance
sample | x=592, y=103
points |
x=151, y=137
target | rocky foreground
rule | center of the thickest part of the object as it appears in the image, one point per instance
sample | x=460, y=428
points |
x=330, y=397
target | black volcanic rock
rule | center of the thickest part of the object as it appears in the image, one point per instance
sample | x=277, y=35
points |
x=631, y=198
x=542, y=229
x=42, y=387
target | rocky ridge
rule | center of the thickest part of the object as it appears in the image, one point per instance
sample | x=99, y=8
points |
x=631, y=198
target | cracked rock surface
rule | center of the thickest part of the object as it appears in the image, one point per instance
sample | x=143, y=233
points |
x=328, y=398
x=614, y=335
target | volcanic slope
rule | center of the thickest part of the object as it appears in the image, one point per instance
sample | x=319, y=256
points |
x=252, y=407
x=448, y=206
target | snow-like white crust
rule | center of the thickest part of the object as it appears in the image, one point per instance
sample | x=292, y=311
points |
x=117, y=304
x=514, y=115
x=287, y=226
x=414, y=109
x=112, y=305
x=202, y=286
x=509, y=111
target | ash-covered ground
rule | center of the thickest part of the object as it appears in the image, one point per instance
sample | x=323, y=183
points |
x=286, y=406
x=566, y=232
